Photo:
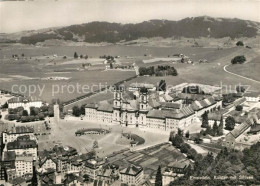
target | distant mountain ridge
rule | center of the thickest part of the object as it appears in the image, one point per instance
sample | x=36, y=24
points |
x=193, y=27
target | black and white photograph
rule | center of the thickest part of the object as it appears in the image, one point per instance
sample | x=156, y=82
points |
x=129, y=92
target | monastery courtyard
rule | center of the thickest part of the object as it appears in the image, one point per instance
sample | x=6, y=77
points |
x=64, y=133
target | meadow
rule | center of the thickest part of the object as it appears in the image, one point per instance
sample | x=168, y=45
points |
x=250, y=69
x=39, y=63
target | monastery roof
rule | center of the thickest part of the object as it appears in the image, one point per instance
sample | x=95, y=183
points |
x=105, y=106
x=170, y=105
x=189, y=96
x=167, y=97
x=131, y=105
x=174, y=114
x=198, y=105
x=92, y=105
x=153, y=103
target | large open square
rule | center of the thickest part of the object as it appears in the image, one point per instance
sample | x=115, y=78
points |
x=64, y=133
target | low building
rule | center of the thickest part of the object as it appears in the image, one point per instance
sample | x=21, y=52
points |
x=12, y=135
x=73, y=180
x=48, y=163
x=26, y=103
x=132, y=175
x=174, y=170
x=252, y=120
x=23, y=145
x=138, y=86
x=109, y=174
x=252, y=96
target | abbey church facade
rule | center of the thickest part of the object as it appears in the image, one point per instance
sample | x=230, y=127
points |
x=148, y=111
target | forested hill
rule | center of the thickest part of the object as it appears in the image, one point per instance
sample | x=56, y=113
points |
x=115, y=32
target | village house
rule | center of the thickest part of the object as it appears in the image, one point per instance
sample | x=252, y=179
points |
x=48, y=163
x=174, y=170
x=23, y=145
x=252, y=96
x=132, y=175
x=23, y=165
x=15, y=132
x=93, y=167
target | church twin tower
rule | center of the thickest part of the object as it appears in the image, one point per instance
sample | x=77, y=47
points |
x=125, y=114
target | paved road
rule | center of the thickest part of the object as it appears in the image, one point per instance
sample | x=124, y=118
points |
x=239, y=75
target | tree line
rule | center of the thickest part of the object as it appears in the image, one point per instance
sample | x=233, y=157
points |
x=159, y=71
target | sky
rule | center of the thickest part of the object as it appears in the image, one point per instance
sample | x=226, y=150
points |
x=17, y=16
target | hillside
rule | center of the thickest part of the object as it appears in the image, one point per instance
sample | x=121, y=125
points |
x=96, y=32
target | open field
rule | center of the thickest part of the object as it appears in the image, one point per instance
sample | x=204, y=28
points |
x=79, y=82
x=30, y=71
x=211, y=73
x=250, y=69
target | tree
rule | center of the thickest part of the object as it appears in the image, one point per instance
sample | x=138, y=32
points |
x=187, y=134
x=76, y=111
x=230, y=123
x=205, y=120
x=180, y=132
x=86, y=56
x=82, y=110
x=33, y=111
x=184, y=147
x=76, y=55
x=34, y=178
x=192, y=153
x=215, y=128
x=239, y=108
x=177, y=141
x=41, y=116
x=171, y=136
x=81, y=56
x=158, y=178
x=240, y=43
x=240, y=89
x=220, y=127
x=5, y=105
x=238, y=59
x=25, y=113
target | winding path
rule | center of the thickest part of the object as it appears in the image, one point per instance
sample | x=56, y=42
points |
x=238, y=74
